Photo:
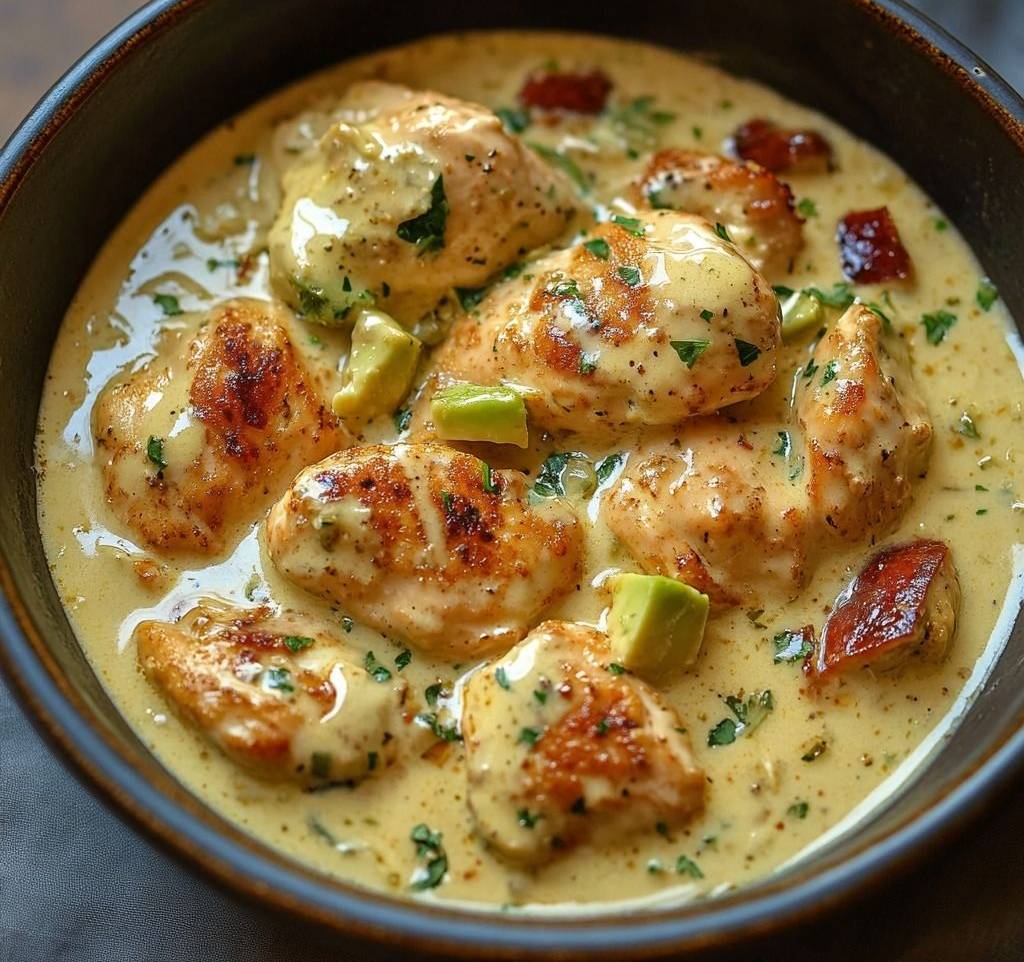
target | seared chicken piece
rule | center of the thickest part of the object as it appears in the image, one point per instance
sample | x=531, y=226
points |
x=411, y=194
x=751, y=203
x=903, y=605
x=723, y=509
x=650, y=321
x=277, y=695
x=426, y=544
x=194, y=440
x=560, y=749
x=865, y=426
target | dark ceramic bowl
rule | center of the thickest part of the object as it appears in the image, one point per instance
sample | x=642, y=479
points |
x=176, y=69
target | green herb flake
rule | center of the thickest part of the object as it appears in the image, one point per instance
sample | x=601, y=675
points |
x=320, y=763
x=806, y=208
x=631, y=275
x=565, y=163
x=798, y=810
x=212, y=264
x=749, y=713
x=606, y=466
x=155, y=453
x=526, y=818
x=540, y=696
x=402, y=659
x=724, y=733
x=549, y=483
x=371, y=761
x=616, y=669
x=810, y=369
x=245, y=160
x=746, y=352
x=168, y=303
x=443, y=732
x=940, y=224
x=470, y=297
x=816, y=750
x=426, y=230
x=487, y=479
x=706, y=315
x=514, y=119
x=967, y=427
x=402, y=417
x=840, y=296
x=784, y=445
x=433, y=692
x=937, y=325
x=722, y=232
x=598, y=247
x=278, y=679
x=588, y=362
x=347, y=624
x=631, y=224
x=429, y=848
x=831, y=369
x=986, y=295
x=687, y=866
x=529, y=736
x=501, y=677
x=378, y=672
x=297, y=642
x=690, y=351
x=791, y=646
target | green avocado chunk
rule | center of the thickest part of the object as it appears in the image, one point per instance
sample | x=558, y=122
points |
x=800, y=311
x=473, y=412
x=656, y=624
x=380, y=367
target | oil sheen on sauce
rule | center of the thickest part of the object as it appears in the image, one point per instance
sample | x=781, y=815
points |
x=766, y=803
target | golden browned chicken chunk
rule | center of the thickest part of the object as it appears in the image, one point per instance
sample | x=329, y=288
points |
x=194, y=440
x=650, y=321
x=561, y=749
x=426, y=544
x=903, y=605
x=277, y=695
x=409, y=195
x=724, y=509
x=753, y=206
x=865, y=426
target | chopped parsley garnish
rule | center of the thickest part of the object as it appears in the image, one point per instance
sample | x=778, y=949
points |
x=986, y=294
x=514, y=119
x=606, y=466
x=598, y=247
x=831, y=369
x=430, y=848
x=564, y=162
x=588, y=362
x=447, y=502
x=746, y=352
x=940, y=224
x=637, y=123
x=402, y=417
x=791, y=646
x=616, y=669
x=840, y=296
x=433, y=692
x=784, y=446
x=501, y=677
x=371, y=761
x=749, y=714
x=549, y=483
x=529, y=736
x=816, y=750
x=706, y=315
x=212, y=264
x=446, y=733
x=487, y=479
x=810, y=369
x=297, y=642
x=937, y=325
x=426, y=230
x=278, y=679
x=347, y=623
x=526, y=818
x=155, y=453
x=402, y=659
x=631, y=275
x=602, y=726
x=687, y=866
x=798, y=810
x=631, y=224
x=967, y=427
x=690, y=351
x=807, y=208
x=375, y=669
x=722, y=232
x=320, y=762
x=168, y=303
x=697, y=132
x=540, y=696
x=470, y=297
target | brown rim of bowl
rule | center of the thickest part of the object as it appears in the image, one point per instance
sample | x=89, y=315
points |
x=182, y=826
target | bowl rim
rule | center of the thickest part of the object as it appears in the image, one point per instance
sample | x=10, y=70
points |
x=61, y=715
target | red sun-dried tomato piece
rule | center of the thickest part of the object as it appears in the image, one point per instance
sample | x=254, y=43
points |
x=776, y=149
x=870, y=248
x=580, y=93
x=883, y=609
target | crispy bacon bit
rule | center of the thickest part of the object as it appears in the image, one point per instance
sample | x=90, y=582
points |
x=870, y=247
x=775, y=149
x=578, y=93
x=885, y=610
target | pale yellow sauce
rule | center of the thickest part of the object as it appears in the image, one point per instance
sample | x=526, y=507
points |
x=872, y=724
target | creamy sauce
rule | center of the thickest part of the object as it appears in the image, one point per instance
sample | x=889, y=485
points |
x=766, y=805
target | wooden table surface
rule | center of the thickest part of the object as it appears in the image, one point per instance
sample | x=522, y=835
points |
x=965, y=902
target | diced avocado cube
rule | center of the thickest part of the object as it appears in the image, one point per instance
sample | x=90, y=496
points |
x=380, y=368
x=656, y=624
x=800, y=311
x=473, y=412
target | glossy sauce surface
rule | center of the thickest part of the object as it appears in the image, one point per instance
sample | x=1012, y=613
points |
x=199, y=236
